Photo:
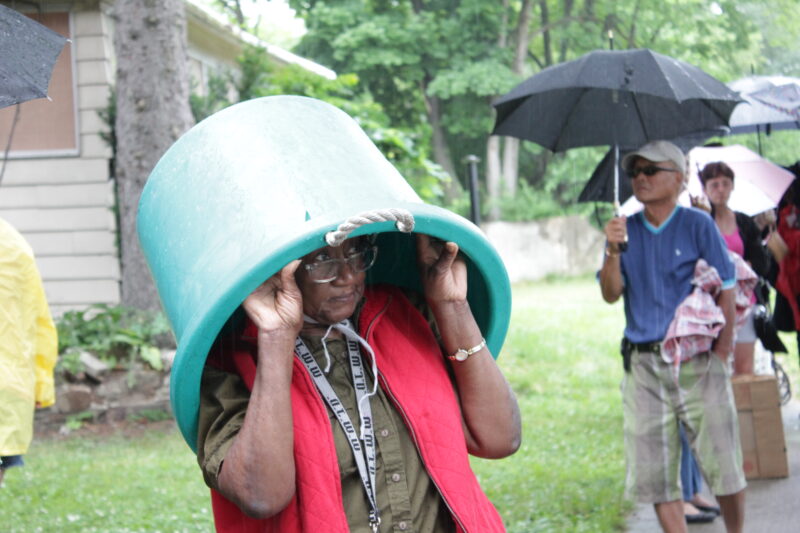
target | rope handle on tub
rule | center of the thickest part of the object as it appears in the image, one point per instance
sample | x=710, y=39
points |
x=404, y=219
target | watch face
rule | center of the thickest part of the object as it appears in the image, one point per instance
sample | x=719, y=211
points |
x=461, y=355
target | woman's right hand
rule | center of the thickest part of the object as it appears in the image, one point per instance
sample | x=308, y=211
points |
x=276, y=306
x=258, y=471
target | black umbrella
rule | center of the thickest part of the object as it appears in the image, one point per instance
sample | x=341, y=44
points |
x=28, y=52
x=614, y=97
x=622, y=97
x=600, y=187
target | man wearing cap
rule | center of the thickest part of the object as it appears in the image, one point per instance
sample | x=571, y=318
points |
x=653, y=271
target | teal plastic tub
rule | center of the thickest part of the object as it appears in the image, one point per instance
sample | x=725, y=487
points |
x=264, y=182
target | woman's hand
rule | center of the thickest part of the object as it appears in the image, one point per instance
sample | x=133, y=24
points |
x=276, y=306
x=442, y=271
x=700, y=202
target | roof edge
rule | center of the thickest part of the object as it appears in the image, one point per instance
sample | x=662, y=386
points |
x=211, y=18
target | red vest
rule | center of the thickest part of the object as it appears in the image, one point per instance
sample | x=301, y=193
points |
x=414, y=376
x=788, y=283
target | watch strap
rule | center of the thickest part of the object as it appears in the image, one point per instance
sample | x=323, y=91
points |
x=462, y=354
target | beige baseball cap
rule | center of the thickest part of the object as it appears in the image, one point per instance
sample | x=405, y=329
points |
x=657, y=151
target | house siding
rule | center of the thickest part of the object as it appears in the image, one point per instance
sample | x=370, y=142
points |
x=63, y=200
x=63, y=204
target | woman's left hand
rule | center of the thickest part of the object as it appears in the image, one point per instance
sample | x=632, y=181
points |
x=700, y=202
x=489, y=409
x=442, y=271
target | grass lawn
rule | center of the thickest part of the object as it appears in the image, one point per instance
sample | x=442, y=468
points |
x=148, y=481
x=561, y=357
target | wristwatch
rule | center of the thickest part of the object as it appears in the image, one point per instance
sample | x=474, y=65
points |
x=462, y=354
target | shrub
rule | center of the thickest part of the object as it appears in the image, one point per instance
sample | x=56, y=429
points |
x=117, y=335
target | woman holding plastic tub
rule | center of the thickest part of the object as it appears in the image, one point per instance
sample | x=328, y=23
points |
x=296, y=434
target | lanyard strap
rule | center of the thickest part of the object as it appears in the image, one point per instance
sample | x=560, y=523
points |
x=364, y=454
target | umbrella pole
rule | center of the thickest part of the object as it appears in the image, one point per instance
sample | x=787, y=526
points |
x=616, y=180
x=758, y=134
x=623, y=245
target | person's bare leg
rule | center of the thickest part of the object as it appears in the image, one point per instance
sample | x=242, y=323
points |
x=732, y=507
x=743, y=357
x=670, y=516
x=2, y=473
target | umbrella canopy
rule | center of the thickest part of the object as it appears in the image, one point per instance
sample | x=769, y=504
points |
x=755, y=116
x=759, y=183
x=785, y=98
x=617, y=97
x=771, y=179
x=28, y=51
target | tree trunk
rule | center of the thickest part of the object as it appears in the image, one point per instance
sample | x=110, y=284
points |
x=234, y=8
x=502, y=39
x=511, y=145
x=441, y=151
x=545, y=19
x=152, y=112
x=510, y=165
x=562, y=53
x=493, y=178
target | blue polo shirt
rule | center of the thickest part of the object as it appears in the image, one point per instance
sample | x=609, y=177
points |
x=658, y=267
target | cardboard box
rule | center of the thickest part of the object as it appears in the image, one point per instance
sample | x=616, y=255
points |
x=760, y=426
x=755, y=392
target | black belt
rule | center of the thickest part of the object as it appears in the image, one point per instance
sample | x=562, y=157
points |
x=628, y=347
x=654, y=347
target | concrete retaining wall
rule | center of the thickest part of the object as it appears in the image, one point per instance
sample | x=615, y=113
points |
x=560, y=245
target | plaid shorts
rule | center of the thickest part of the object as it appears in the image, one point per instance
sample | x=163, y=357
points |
x=654, y=403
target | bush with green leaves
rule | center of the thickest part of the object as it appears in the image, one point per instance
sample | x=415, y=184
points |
x=119, y=336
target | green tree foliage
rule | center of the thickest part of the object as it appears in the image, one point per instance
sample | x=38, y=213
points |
x=403, y=146
x=431, y=64
x=213, y=98
x=439, y=63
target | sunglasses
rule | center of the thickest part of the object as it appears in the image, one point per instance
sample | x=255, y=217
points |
x=649, y=170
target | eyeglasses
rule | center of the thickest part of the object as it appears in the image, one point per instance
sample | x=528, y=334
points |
x=328, y=270
x=649, y=170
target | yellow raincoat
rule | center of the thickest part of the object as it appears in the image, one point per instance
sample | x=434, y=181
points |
x=28, y=343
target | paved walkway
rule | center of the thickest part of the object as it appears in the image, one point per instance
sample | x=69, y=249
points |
x=773, y=505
